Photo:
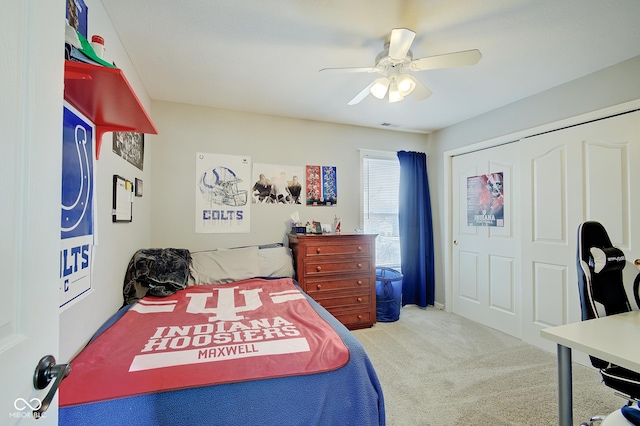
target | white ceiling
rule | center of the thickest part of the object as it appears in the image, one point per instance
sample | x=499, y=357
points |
x=264, y=56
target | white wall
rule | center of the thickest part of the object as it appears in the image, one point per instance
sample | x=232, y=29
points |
x=611, y=86
x=186, y=129
x=116, y=241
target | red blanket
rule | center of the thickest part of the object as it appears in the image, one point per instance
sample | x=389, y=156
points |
x=205, y=335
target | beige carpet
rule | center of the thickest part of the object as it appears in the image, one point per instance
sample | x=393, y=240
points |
x=438, y=368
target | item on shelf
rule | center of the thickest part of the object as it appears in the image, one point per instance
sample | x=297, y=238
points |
x=97, y=43
x=85, y=53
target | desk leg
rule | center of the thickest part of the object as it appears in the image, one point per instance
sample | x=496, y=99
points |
x=565, y=390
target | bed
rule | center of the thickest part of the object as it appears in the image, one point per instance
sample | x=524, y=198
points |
x=324, y=377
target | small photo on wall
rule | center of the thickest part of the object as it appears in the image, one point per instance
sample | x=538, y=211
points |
x=130, y=146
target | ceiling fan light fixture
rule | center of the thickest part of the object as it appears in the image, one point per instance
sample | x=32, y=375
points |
x=406, y=85
x=394, y=93
x=379, y=88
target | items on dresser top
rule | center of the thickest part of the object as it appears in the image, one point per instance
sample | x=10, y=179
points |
x=338, y=272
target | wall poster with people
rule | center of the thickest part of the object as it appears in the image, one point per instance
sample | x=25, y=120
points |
x=222, y=187
x=275, y=184
x=485, y=200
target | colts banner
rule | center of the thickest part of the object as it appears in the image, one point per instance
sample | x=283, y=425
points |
x=206, y=335
x=77, y=206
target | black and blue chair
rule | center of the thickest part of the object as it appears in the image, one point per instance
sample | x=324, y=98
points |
x=602, y=293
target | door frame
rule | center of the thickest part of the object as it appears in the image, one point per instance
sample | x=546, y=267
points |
x=490, y=143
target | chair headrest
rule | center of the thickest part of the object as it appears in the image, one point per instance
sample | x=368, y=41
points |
x=607, y=259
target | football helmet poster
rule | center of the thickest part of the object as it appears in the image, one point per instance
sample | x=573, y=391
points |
x=222, y=190
x=485, y=200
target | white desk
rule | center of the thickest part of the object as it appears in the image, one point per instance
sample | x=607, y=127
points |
x=614, y=338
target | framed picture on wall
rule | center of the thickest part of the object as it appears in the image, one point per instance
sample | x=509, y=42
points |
x=138, y=188
x=130, y=146
x=122, y=199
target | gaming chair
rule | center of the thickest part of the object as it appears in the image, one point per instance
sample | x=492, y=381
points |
x=601, y=287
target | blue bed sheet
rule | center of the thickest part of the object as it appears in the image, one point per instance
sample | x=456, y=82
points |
x=351, y=395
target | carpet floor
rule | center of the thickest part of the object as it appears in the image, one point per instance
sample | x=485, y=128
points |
x=437, y=368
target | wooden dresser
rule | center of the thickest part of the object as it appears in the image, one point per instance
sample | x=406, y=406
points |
x=339, y=272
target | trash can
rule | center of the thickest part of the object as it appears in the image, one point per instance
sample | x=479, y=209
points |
x=388, y=294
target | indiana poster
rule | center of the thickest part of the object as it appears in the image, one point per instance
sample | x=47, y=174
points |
x=222, y=188
x=485, y=200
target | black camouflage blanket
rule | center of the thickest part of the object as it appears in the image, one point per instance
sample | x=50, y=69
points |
x=157, y=272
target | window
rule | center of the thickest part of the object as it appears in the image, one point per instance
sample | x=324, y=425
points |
x=380, y=185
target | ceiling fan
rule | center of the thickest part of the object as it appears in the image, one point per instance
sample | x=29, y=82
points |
x=396, y=61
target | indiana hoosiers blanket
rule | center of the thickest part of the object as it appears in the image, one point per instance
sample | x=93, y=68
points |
x=205, y=335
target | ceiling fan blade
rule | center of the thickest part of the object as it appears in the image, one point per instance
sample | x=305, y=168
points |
x=449, y=60
x=420, y=92
x=352, y=69
x=360, y=96
x=400, y=42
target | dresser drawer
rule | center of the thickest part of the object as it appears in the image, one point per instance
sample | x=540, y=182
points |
x=328, y=285
x=332, y=300
x=320, y=249
x=353, y=320
x=313, y=267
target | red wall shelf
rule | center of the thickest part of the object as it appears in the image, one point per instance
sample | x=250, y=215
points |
x=105, y=97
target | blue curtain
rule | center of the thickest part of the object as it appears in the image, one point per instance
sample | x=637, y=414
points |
x=416, y=231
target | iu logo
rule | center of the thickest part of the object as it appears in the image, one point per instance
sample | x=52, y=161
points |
x=226, y=309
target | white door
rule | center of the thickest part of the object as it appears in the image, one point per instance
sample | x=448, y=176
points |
x=31, y=125
x=485, y=261
x=586, y=172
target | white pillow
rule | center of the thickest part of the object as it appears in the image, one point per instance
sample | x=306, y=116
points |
x=225, y=265
x=276, y=262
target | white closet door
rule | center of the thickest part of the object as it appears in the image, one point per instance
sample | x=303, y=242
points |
x=586, y=172
x=523, y=277
x=485, y=258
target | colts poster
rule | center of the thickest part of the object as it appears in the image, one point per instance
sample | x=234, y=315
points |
x=222, y=188
x=485, y=200
x=77, y=206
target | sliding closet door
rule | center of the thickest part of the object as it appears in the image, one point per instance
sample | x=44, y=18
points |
x=586, y=172
x=485, y=260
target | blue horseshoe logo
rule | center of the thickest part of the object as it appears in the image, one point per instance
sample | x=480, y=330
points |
x=77, y=181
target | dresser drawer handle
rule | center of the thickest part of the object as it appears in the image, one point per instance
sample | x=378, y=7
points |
x=359, y=282
x=359, y=265
x=318, y=268
x=319, y=286
x=359, y=317
x=359, y=299
x=318, y=250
